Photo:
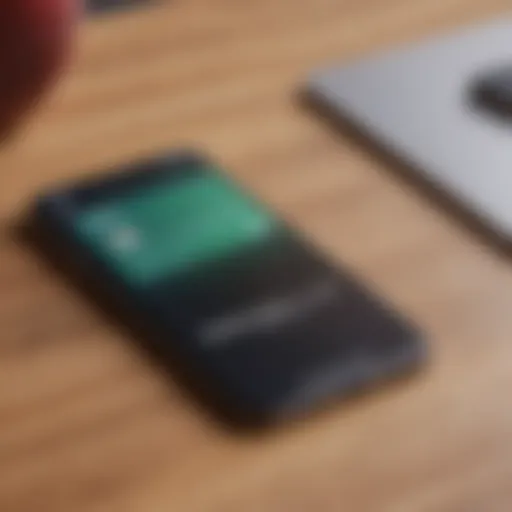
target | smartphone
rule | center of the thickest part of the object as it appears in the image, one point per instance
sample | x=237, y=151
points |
x=262, y=323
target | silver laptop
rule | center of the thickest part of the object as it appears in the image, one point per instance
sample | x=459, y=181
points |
x=443, y=107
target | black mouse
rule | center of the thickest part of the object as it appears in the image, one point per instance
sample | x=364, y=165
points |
x=492, y=91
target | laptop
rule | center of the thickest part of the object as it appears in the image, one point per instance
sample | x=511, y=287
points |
x=442, y=107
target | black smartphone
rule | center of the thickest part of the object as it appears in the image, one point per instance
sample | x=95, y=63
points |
x=264, y=324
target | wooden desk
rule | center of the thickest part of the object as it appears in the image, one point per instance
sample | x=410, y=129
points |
x=88, y=425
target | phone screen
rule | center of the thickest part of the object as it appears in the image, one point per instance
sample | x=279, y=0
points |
x=174, y=227
x=206, y=252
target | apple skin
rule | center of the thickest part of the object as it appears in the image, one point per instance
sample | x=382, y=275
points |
x=35, y=38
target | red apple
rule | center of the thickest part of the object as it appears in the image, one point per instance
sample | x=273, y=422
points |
x=34, y=44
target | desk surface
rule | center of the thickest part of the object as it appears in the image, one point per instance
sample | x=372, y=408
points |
x=87, y=424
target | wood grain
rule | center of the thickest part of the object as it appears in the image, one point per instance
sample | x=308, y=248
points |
x=88, y=424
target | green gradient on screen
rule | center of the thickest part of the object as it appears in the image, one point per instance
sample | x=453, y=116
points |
x=166, y=229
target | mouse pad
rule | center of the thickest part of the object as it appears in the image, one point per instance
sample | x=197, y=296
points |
x=420, y=103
